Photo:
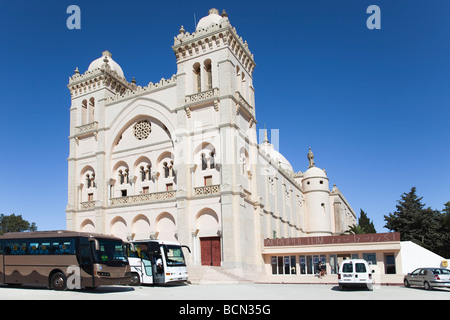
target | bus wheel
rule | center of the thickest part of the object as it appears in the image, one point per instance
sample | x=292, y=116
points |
x=135, y=279
x=58, y=281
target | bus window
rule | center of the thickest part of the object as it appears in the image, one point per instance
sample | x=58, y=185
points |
x=147, y=267
x=56, y=247
x=174, y=256
x=110, y=251
x=67, y=247
x=44, y=248
x=33, y=248
x=17, y=248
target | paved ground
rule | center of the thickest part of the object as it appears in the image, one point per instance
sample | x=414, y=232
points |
x=226, y=292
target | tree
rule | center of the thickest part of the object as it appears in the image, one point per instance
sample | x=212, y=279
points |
x=404, y=220
x=444, y=249
x=365, y=223
x=355, y=229
x=13, y=223
x=415, y=223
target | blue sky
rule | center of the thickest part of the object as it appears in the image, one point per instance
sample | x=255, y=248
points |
x=372, y=104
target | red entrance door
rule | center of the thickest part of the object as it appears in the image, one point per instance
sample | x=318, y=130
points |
x=210, y=249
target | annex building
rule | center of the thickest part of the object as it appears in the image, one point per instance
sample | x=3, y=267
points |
x=181, y=159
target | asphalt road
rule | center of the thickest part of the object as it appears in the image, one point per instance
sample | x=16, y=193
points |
x=226, y=292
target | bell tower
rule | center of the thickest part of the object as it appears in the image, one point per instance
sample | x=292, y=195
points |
x=89, y=91
x=215, y=90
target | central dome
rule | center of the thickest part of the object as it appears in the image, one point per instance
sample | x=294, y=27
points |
x=212, y=18
x=269, y=149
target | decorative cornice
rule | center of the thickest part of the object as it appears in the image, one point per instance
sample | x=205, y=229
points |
x=139, y=91
x=186, y=45
x=102, y=77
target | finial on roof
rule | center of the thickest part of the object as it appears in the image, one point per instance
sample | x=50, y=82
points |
x=213, y=10
x=311, y=158
x=224, y=14
x=76, y=71
x=133, y=81
x=266, y=139
x=182, y=30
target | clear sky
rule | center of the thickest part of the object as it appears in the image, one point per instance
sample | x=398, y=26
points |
x=372, y=104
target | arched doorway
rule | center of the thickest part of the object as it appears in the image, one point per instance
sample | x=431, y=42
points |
x=210, y=245
x=210, y=251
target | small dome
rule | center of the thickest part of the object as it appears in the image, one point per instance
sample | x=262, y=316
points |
x=96, y=64
x=210, y=19
x=314, y=172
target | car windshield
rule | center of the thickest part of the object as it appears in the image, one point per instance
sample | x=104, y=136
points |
x=441, y=271
x=110, y=251
x=174, y=256
x=416, y=272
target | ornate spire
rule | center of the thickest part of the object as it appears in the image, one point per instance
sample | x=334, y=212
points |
x=266, y=139
x=311, y=158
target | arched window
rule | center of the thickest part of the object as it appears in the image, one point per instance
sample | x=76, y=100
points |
x=90, y=180
x=166, y=170
x=143, y=175
x=149, y=171
x=208, y=74
x=197, y=78
x=204, y=163
x=244, y=86
x=84, y=112
x=91, y=110
x=121, y=177
x=172, y=173
x=212, y=163
x=238, y=79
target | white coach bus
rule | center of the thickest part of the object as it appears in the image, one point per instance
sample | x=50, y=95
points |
x=156, y=262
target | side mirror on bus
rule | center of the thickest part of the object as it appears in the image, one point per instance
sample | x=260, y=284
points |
x=184, y=246
x=96, y=245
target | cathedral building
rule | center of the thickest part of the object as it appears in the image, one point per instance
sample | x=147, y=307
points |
x=181, y=159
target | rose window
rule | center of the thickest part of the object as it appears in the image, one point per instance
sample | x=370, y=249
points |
x=142, y=130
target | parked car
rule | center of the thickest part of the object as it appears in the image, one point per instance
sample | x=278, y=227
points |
x=428, y=278
x=355, y=273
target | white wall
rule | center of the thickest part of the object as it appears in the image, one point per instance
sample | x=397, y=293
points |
x=415, y=256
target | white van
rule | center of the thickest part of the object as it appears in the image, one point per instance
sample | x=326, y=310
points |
x=355, y=273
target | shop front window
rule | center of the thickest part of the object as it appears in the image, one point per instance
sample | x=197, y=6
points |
x=370, y=257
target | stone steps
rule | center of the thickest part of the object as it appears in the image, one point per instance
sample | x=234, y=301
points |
x=213, y=275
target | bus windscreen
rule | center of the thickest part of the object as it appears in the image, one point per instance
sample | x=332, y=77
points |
x=111, y=252
x=174, y=256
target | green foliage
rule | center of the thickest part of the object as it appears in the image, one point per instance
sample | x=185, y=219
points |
x=364, y=225
x=355, y=229
x=13, y=223
x=427, y=227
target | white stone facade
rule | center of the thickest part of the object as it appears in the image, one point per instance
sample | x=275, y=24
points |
x=180, y=159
